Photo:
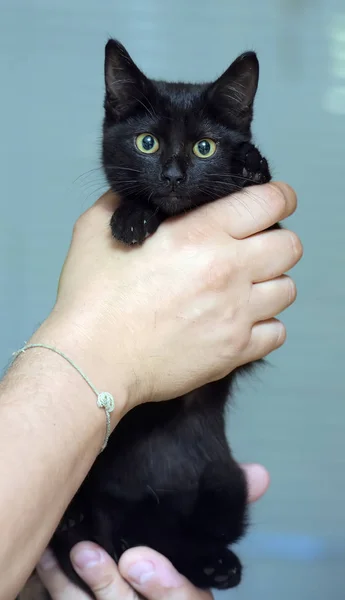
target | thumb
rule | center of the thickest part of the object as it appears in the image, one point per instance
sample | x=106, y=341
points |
x=155, y=578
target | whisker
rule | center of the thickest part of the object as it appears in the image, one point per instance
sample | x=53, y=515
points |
x=87, y=173
x=115, y=168
x=244, y=178
x=96, y=191
x=153, y=492
x=88, y=186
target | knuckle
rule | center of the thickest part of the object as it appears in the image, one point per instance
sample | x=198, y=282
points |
x=172, y=238
x=243, y=342
x=217, y=273
x=186, y=231
x=239, y=337
x=290, y=197
x=283, y=198
x=77, y=227
x=81, y=223
x=198, y=232
x=277, y=199
x=105, y=585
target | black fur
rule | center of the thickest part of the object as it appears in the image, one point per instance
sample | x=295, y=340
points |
x=167, y=478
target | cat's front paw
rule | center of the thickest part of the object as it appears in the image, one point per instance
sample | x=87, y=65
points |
x=221, y=571
x=254, y=168
x=132, y=224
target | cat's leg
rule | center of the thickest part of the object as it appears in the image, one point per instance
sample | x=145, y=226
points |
x=133, y=222
x=219, y=519
x=221, y=507
x=108, y=527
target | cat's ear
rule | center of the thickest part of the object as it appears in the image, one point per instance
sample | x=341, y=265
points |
x=233, y=94
x=125, y=84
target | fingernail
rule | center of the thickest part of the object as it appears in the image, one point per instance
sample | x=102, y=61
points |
x=163, y=572
x=84, y=558
x=141, y=571
x=47, y=560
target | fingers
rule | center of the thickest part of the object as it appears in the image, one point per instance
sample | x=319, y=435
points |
x=271, y=253
x=266, y=336
x=242, y=214
x=55, y=581
x=96, y=568
x=154, y=577
x=253, y=209
x=258, y=480
x=270, y=298
x=151, y=574
x=100, y=573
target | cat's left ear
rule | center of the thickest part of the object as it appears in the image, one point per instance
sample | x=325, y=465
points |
x=233, y=94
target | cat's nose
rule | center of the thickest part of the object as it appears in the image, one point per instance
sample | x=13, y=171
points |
x=173, y=179
x=172, y=176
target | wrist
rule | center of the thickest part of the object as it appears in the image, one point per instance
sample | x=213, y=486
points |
x=80, y=345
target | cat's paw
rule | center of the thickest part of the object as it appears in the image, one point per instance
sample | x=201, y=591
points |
x=132, y=224
x=254, y=167
x=221, y=571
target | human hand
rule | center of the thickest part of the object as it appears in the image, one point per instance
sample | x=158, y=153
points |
x=205, y=286
x=109, y=582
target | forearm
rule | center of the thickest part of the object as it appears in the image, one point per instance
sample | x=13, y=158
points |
x=51, y=431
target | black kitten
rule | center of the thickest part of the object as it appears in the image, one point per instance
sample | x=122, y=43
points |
x=169, y=147
x=167, y=478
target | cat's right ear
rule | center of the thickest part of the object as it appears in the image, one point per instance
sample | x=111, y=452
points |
x=233, y=94
x=125, y=85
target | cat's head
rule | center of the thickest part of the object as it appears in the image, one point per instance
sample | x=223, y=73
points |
x=174, y=144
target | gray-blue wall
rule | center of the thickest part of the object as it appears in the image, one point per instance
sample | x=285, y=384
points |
x=293, y=417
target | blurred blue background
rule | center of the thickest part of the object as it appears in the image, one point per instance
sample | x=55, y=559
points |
x=292, y=418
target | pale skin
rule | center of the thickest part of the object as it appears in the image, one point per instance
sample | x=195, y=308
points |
x=123, y=315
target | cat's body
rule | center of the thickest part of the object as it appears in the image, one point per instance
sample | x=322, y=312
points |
x=167, y=478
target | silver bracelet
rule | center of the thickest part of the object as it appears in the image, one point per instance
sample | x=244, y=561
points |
x=104, y=399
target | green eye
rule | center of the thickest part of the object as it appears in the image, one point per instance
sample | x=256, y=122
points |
x=204, y=148
x=147, y=143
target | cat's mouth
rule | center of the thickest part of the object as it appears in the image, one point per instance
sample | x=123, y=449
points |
x=172, y=203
